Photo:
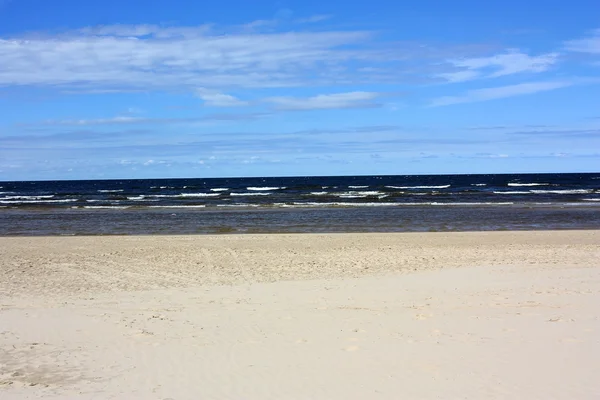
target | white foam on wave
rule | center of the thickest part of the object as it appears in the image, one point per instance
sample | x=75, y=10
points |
x=564, y=191
x=479, y=184
x=513, y=192
x=187, y=206
x=591, y=199
x=251, y=194
x=318, y=193
x=341, y=204
x=419, y=187
x=27, y=197
x=358, y=187
x=105, y=207
x=527, y=184
x=170, y=196
x=199, y=194
x=266, y=188
x=37, y=201
x=219, y=189
x=238, y=205
x=110, y=190
x=357, y=195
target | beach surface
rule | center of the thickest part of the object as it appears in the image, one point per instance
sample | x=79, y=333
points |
x=477, y=315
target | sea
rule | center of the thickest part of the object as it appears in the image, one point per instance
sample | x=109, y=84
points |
x=401, y=203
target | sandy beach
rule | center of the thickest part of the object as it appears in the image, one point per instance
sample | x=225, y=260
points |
x=478, y=315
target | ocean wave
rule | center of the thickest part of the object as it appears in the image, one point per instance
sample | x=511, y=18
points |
x=219, y=189
x=105, y=207
x=134, y=198
x=38, y=201
x=479, y=184
x=199, y=194
x=341, y=204
x=591, y=199
x=319, y=193
x=266, y=188
x=182, y=206
x=238, y=205
x=419, y=187
x=563, y=191
x=527, y=184
x=358, y=187
x=397, y=204
x=110, y=190
x=27, y=197
x=251, y=194
x=358, y=193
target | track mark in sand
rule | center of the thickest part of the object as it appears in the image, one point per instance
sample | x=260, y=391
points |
x=357, y=308
x=38, y=364
x=352, y=348
x=423, y=316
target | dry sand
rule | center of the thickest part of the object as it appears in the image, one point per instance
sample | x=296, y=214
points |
x=497, y=315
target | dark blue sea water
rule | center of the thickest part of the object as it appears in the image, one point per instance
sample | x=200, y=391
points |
x=301, y=204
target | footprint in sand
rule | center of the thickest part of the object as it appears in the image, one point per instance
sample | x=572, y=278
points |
x=352, y=348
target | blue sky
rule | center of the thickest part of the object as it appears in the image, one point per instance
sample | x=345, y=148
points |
x=149, y=89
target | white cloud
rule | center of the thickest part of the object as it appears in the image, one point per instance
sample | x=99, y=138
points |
x=501, y=92
x=590, y=44
x=327, y=101
x=511, y=62
x=147, y=56
x=129, y=58
x=213, y=98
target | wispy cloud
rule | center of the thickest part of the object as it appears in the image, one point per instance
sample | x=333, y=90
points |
x=327, y=101
x=149, y=56
x=213, y=98
x=112, y=58
x=128, y=120
x=501, y=92
x=589, y=44
x=511, y=62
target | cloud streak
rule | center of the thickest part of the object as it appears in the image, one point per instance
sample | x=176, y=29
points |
x=501, y=92
x=213, y=98
x=127, y=120
x=327, y=101
x=509, y=63
x=589, y=44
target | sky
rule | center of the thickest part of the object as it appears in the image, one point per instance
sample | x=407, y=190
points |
x=164, y=89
